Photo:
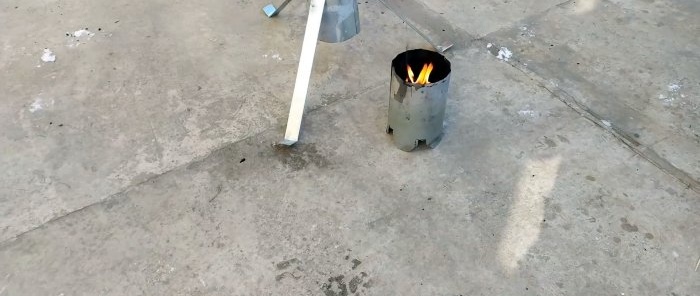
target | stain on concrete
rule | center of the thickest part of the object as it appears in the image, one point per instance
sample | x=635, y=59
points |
x=562, y=139
x=550, y=143
x=356, y=281
x=355, y=263
x=556, y=208
x=648, y=236
x=332, y=98
x=300, y=155
x=335, y=286
x=626, y=226
x=671, y=191
x=554, y=212
x=285, y=264
x=287, y=274
x=583, y=211
x=590, y=178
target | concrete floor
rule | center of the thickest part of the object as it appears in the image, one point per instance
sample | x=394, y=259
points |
x=140, y=161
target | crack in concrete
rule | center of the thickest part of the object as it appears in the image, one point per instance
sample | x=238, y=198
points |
x=219, y=188
x=532, y=16
x=203, y=158
x=628, y=140
x=473, y=42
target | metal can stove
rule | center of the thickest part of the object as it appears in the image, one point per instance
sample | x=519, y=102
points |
x=416, y=103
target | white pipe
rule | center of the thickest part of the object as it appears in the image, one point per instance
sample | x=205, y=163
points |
x=306, y=61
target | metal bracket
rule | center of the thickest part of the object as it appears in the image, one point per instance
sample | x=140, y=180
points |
x=270, y=10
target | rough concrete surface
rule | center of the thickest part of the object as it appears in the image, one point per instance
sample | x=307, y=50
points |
x=141, y=161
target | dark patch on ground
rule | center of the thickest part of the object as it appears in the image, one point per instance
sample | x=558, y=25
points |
x=627, y=226
x=287, y=263
x=550, y=143
x=299, y=156
x=356, y=281
x=332, y=98
x=287, y=274
x=355, y=263
x=335, y=286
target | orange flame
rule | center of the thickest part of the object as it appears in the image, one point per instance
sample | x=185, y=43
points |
x=423, y=76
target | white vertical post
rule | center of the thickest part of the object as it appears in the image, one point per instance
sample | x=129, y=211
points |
x=306, y=61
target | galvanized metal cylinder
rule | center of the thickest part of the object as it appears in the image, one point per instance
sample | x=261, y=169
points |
x=341, y=21
x=416, y=111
